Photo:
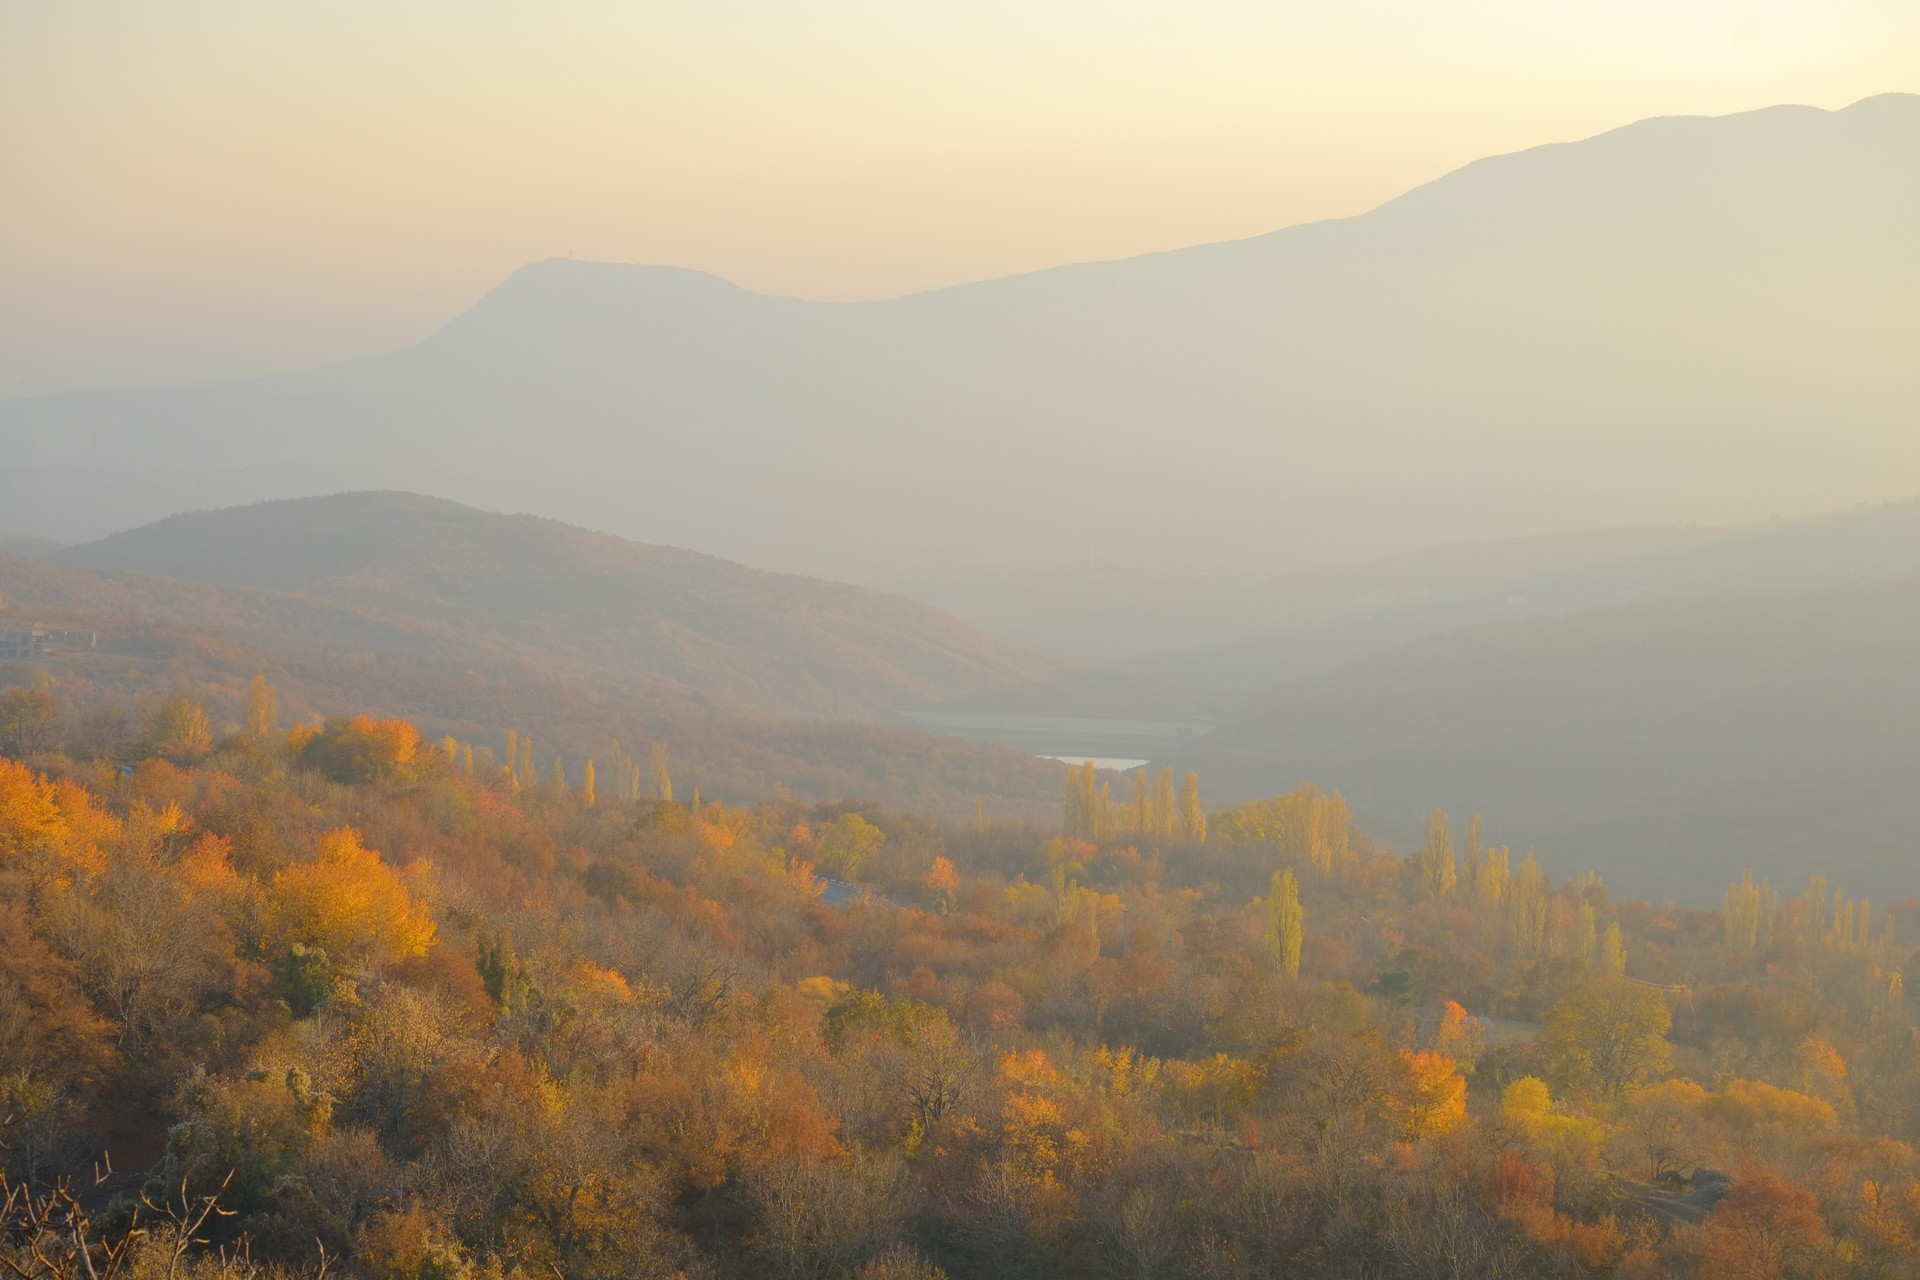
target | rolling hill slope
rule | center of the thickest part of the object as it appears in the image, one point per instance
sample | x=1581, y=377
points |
x=407, y=573
x=1315, y=621
x=1682, y=319
x=1667, y=745
x=158, y=637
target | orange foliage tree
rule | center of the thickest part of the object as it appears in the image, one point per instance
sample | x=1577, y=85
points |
x=348, y=903
x=1765, y=1229
x=1435, y=1101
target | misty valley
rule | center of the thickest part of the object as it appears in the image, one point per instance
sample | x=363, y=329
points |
x=1387, y=749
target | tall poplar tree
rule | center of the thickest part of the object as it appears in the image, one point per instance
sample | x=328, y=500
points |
x=1613, y=950
x=1586, y=941
x=1285, y=922
x=1193, y=819
x=1438, y=873
x=1473, y=856
x=1163, y=805
x=263, y=709
x=662, y=778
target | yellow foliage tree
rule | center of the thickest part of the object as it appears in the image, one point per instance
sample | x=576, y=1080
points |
x=662, y=778
x=1748, y=1107
x=1308, y=827
x=180, y=731
x=1524, y=1102
x=1438, y=870
x=1285, y=923
x=1586, y=935
x=1193, y=818
x=1218, y=1088
x=1660, y=1125
x=850, y=841
x=348, y=903
x=1613, y=951
x=1527, y=1105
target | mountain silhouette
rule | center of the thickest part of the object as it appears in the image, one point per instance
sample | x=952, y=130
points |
x=1688, y=318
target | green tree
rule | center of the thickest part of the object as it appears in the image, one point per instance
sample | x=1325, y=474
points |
x=29, y=721
x=1608, y=1036
x=180, y=731
x=850, y=841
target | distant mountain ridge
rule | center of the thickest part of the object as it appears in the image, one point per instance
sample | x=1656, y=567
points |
x=591, y=607
x=1684, y=318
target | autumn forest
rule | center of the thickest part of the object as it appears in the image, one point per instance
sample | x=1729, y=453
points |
x=336, y=998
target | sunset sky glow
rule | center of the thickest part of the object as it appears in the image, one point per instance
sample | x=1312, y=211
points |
x=210, y=188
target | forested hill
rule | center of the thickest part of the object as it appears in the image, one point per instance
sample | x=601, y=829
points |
x=157, y=635
x=587, y=606
x=400, y=1013
x=1701, y=319
x=1667, y=745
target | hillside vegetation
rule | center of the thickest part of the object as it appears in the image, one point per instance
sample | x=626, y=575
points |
x=158, y=635
x=421, y=574
x=341, y=1001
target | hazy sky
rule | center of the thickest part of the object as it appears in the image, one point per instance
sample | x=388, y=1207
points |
x=211, y=187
